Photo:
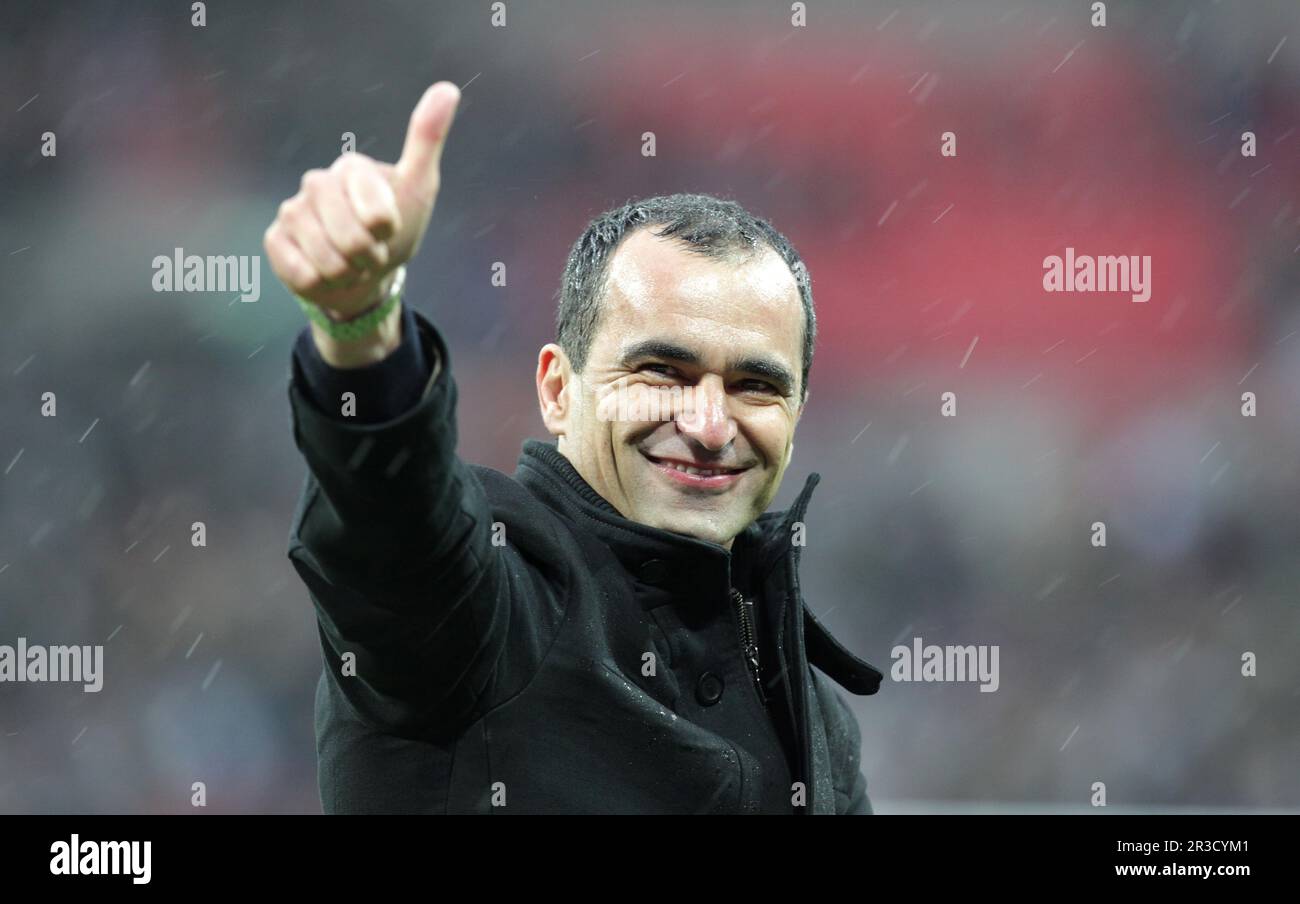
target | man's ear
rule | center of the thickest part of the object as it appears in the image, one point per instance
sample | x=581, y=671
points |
x=554, y=384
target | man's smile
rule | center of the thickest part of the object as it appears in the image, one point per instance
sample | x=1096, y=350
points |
x=695, y=474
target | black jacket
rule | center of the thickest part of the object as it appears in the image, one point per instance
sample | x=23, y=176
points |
x=519, y=647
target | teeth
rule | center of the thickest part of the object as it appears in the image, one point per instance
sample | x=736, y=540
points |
x=701, y=472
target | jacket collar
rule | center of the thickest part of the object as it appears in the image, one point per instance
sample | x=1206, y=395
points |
x=671, y=564
x=668, y=567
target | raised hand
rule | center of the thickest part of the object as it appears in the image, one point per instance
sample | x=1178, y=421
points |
x=337, y=242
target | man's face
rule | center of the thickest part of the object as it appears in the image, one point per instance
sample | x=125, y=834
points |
x=716, y=345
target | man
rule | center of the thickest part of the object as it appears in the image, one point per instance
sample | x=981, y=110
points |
x=618, y=626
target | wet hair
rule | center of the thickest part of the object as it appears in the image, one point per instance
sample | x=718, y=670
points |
x=706, y=225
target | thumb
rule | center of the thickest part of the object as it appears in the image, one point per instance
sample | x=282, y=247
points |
x=421, y=156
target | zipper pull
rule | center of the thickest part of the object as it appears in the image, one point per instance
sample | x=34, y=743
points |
x=749, y=640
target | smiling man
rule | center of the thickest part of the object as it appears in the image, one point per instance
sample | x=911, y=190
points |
x=617, y=627
x=698, y=301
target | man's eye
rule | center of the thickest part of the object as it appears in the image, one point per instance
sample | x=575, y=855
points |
x=661, y=369
x=757, y=386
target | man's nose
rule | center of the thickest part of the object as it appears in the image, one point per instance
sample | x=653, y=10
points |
x=705, y=416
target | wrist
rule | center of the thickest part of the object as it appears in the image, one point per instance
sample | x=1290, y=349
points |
x=366, y=337
x=385, y=339
x=376, y=298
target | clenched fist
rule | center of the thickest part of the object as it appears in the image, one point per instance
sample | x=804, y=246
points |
x=337, y=242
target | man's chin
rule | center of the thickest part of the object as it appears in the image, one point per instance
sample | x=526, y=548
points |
x=712, y=530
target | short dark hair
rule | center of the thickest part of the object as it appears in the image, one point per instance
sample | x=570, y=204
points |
x=708, y=225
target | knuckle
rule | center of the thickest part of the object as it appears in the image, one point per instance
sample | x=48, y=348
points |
x=350, y=160
x=311, y=283
x=291, y=210
x=312, y=179
x=356, y=244
x=336, y=268
x=300, y=283
x=376, y=220
x=274, y=254
x=291, y=276
x=377, y=212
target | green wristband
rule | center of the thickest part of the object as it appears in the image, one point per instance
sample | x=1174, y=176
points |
x=363, y=325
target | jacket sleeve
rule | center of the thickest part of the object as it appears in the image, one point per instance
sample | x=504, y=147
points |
x=380, y=392
x=844, y=738
x=392, y=536
x=858, y=802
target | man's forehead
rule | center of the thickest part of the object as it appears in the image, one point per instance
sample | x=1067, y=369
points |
x=648, y=273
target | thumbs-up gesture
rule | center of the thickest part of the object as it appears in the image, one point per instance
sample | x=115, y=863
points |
x=337, y=241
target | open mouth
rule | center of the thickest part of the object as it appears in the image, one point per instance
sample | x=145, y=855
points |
x=695, y=474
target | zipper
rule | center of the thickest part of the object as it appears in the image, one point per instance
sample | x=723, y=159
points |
x=749, y=639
